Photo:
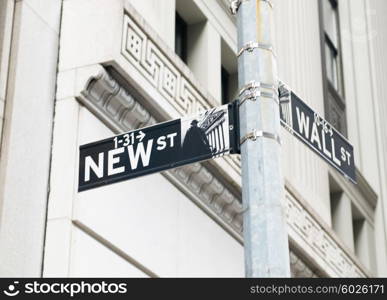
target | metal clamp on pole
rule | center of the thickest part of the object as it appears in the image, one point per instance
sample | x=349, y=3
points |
x=250, y=46
x=236, y=3
x=259, y=133
x=253, y=85
x=284, y=92
x=253, y=92
x=253, y=95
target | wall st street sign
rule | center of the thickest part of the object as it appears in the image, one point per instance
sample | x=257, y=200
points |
x=171, y=144
x=316, y=133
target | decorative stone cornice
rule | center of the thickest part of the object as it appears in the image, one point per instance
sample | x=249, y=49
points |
x=299, y=268
x=165, y=72
x=114, y=105
x=107, y=99
x=311, y=237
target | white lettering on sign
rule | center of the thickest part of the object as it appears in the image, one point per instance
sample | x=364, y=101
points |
x=97, y=168
x=114, y=160
x=335, y=160
x=128, y=139
x=303, y=122
x=162, y=141
x=138, y=153
x=141, y=152
x=345, y=156
x=326, y=151
x=171, y=137
x=320, y=141
x=321, y=122
x=315, y=136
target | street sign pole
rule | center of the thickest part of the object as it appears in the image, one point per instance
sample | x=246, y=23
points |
x=265, y=235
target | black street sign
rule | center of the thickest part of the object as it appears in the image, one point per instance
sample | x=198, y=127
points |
x=171, y=144
x=316, y=133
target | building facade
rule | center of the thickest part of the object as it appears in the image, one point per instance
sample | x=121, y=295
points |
x=77, y=71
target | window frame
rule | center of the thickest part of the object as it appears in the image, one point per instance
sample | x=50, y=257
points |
x=329, y=89
x=225, y=85
x=183, y=29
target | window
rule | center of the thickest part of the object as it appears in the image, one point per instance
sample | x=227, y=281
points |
x=351, y=225
x=181, y=37
x=225, y=86
x=363, y=236
x=229, y=73
x=331, y=39
x=333, y=82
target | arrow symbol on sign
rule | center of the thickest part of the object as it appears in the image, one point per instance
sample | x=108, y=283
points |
x=140, y=136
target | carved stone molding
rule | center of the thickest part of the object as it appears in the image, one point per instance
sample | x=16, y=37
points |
x=106, y=97
x=165, y=71
x=299, y=268
x=122, y=112
x=303, y=227
x=149, y=60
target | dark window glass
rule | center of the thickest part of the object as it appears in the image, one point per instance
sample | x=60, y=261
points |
x=332, y=64
x=181, y=38
x=331, y=39
x=334, y=100
x=225, y=86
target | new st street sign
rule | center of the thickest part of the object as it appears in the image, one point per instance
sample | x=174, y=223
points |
x=171, y=144
x=316, y=133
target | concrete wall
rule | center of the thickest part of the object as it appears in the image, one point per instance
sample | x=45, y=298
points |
x=299, y=65
x=363, y=39
x=376, y=25
x=6, y=22
x=26, y=143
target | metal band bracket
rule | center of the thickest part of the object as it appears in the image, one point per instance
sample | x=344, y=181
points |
x=259, y=133
x=252, y=96
x=234, y=6
x=252, y=92
x=254, y=85
x=250, y=46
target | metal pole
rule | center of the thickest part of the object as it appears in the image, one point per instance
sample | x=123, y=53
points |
x=265, y=235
